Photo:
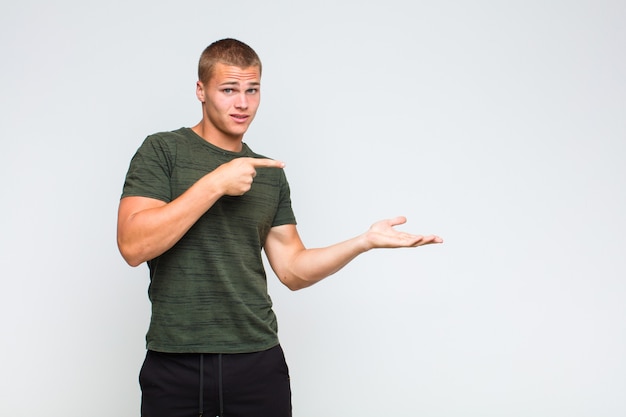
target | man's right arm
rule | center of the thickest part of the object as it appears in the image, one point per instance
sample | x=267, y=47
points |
x=148, y=227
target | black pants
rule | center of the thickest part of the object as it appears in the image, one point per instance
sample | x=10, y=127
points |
x=209, y=385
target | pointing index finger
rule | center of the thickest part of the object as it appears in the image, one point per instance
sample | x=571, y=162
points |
x=267, y=163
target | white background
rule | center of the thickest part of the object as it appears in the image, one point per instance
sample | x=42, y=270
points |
x=499, y=125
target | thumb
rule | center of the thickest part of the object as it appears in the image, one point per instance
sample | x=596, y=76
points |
x=397, y=220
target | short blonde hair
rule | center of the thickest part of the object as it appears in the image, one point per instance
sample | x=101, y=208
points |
x=229, y=52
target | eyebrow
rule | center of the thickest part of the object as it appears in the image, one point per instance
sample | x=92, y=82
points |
x=251, y=83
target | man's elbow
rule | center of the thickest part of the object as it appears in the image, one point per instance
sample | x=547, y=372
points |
x=131, y=255
x=296, y=283
x=132, y=261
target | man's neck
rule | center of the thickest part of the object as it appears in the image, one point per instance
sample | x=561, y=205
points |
x=216, y=138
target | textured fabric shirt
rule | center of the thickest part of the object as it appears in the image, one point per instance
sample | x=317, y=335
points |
x=209, y=291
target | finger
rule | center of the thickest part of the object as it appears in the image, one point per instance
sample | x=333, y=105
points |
x=267, y=163
x=430, y=240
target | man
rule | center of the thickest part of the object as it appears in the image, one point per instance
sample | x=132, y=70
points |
x=199, y=207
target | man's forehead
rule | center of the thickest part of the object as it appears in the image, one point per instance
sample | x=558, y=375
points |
x=230, y=73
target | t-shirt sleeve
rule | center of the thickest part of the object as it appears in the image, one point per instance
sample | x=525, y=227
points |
x=150, y=170
x=284, y=212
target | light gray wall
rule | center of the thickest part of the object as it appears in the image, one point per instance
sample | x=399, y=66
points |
x=500, y=126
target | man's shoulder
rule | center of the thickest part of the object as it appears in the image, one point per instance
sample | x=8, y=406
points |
x=167, y=141
x=170, y=136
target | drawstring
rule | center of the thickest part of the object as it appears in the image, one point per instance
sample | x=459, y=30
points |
x=219, y=376
x=201, y=384
x=219, y=385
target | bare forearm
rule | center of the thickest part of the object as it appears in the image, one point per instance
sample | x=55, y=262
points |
x=310, y=266
x=147, y=233
x=298, y=267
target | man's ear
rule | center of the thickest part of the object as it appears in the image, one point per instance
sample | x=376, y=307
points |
x=200, y=91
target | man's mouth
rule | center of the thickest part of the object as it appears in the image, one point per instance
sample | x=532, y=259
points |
x=239, y=117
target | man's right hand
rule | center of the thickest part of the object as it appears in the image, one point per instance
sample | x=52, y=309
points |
x=236, y=177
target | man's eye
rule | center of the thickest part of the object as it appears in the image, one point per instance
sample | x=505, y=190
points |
x=227, y=90
x=253, y=90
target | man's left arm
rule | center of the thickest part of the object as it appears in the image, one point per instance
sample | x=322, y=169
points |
x=298, y=267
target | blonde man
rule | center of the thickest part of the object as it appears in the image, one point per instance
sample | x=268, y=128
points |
x=199, y=206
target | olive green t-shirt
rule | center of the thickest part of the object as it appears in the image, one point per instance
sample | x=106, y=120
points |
x=209, y=291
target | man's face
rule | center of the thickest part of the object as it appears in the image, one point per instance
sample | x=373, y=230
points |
x=230, y=100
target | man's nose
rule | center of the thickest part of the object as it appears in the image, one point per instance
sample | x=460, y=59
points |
x=242, y=101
